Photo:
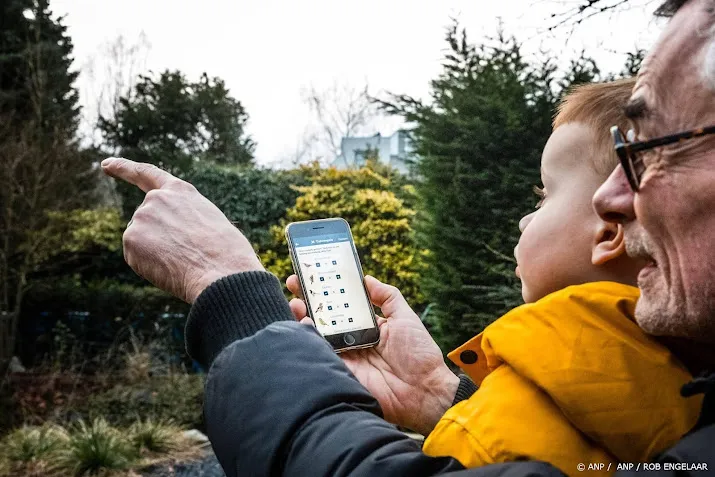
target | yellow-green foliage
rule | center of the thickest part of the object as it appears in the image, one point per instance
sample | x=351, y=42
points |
x=99, y=227
x=77, y=230
x=375, y=201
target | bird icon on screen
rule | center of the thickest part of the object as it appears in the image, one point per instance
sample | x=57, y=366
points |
x=307, y=265
x=321, y=322
x=312, y=279
x=319, y=309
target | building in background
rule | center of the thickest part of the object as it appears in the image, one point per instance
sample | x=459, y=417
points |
x=394, y=151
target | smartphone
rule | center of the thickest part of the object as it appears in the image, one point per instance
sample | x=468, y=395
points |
x=326, y=262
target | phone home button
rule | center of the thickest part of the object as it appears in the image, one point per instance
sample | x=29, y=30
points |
x=349, y=339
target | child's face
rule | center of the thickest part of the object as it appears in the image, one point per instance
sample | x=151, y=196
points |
x=555, y=247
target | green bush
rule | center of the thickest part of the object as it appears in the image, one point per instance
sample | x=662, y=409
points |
x=154, y=436
x=254, y=199
x=177, y=398
x=98, y=314
x=376, y=202
x=94, y=447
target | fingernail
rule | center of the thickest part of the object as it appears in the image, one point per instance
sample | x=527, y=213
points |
x=107, y=161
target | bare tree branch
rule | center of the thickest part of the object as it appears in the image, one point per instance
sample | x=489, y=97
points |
x=573, y=15
x=110, y=75
x=339, y=111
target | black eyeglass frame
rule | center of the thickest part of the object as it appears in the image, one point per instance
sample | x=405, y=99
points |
x=627, y=151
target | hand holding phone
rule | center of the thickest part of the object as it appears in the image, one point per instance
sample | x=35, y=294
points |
x=405, y=371
x=328, y=267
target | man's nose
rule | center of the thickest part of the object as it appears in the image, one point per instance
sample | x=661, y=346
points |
x=613, y=201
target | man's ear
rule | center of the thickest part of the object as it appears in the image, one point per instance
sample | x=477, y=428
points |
x=609, y=243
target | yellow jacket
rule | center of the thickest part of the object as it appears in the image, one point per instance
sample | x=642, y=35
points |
x=569, y=379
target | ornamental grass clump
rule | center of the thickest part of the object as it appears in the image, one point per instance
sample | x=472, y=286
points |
x=95, y=447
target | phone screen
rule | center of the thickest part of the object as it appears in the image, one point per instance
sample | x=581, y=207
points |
x=332, y=281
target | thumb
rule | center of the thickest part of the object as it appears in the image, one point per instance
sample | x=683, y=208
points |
x=388, y=298
x=299, y=309
x=145, y=176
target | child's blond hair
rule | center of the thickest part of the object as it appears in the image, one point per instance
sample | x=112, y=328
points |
x=599, y=106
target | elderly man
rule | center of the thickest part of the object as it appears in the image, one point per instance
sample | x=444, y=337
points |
x=279, y=401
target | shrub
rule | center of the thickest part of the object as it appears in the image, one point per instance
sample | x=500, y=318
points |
x=177, y=398
x=254, y=199
x=99, y=315
x=154, y=436
x=32, y=444
x=376, y=202
x=94, y=447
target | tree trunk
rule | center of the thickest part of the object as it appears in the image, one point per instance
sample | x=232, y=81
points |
x=8, y=324
x=8, y=327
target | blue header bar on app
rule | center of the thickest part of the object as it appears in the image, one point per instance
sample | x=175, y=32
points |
x=320, y=240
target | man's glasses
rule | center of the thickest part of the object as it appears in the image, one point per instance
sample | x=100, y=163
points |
x=628, y=151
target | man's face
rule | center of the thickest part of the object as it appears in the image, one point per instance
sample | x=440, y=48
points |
x=670, y=222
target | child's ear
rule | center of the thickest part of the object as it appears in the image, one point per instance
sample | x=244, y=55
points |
x=609, y=243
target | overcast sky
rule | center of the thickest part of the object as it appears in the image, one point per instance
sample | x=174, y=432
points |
x=268, y=51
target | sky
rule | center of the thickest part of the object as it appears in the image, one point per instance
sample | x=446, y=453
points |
x=270, y=51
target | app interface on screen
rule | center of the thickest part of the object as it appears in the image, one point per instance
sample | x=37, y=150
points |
x=332, y=283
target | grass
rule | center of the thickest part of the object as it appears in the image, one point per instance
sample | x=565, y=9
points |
x=95, y=447
x=32, y=451
x=155, y=437
x=32, y=444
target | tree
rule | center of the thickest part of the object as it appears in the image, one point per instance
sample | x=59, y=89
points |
x=43, y=185
x=175, y=123
x=111, y=75
x=339, y=111
x=36, y=80
x=41, y=168
x=377, y=203
x=634, y=60
x=479, y=144
x=581, y=70
x=574, y=15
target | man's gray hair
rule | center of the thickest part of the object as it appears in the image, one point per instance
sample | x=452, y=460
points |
x=670, y=8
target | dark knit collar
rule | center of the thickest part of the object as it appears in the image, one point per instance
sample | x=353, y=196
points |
x=703, y=384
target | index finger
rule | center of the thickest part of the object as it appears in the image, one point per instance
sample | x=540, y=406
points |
x=145, y=176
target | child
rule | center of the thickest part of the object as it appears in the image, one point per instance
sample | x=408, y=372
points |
x=570, y=378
